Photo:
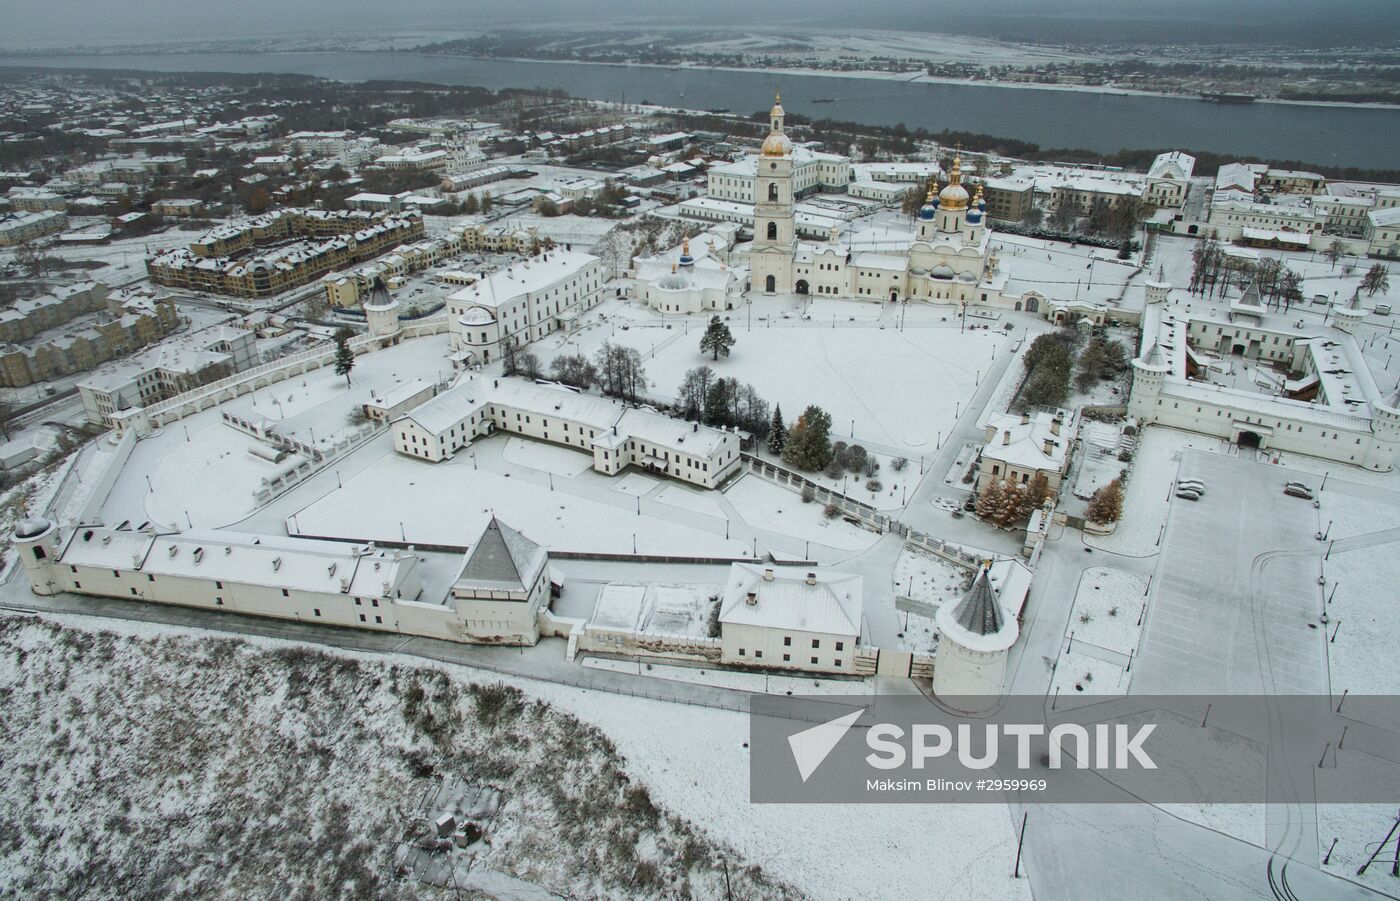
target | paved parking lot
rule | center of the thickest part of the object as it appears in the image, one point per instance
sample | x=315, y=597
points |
x=1235, y=600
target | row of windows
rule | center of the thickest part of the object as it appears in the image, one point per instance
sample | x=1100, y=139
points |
x=787, y=658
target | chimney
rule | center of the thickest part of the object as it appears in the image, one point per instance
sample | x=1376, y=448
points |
x=751, y=599
x=811, y=578
x=1025, y=418
x=768, y=575
x=1006, y=437
x=1055, y=425
x=1049, y=447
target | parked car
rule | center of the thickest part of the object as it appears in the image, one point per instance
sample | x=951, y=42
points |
x=1194, y=484
x=1188, y=494
x=1298, y=489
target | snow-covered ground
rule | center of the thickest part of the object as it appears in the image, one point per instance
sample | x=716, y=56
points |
x=397, y=499
x=899, y=389
x=551, y=458
x=1078, y=672
x=676, y=610
x=928, y=578
x=769, y=506
x=1147, y=493
x=1107, y=608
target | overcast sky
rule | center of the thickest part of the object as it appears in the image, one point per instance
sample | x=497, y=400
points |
x=1309, y=21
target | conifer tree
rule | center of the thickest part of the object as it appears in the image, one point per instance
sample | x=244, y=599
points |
x=777, y=433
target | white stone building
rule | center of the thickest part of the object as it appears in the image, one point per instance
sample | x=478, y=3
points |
x=789, y=618
x=523, y=302
x=812, y=171
x=1020, y=447
x=616, y=435
x=1168, y=178
x=502, y=586
x=949, y=260
x=677, y=282
x=496, y=596
x=1323, y=400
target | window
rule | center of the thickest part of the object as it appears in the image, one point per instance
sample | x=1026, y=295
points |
x=362, y=617
x=379, y=620
x=741, y=652
x=758, y=655
x=787, y=641
x=787, y=658
x=285, y=593
x=814, y=661
x=838, y=661
x=816, y=644
x=374, y=602
x=840, y=645
x=218, y=584
x=133, y=589
x=317, y=611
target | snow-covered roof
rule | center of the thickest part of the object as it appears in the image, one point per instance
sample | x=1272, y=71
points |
x=816, y=600
x=979, y=622
x=265, y=560
x=1030, y=442
x=1174, y=164
x=503, y=560
x=527, y=277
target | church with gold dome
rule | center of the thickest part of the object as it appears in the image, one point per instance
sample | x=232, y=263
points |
x=949, y=258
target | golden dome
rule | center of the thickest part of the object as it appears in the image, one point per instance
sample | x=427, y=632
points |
x=777, y=109
x=954, y=197
x=777, y=144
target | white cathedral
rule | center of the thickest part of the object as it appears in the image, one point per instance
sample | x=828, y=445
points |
x=949, y=260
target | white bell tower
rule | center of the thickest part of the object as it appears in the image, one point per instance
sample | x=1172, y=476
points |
x=774, y=234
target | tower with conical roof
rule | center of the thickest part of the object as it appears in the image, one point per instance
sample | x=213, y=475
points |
x=774, y=232
x=969, y=671
x=503, y=584
x=1350, y=314
x=381, y=311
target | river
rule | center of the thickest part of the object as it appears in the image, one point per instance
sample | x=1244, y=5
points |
x=1339, y=135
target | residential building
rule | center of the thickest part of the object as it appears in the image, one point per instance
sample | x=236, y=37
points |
x=787, y=618
x=523, y=302
x=616, y=435
x=20, y=228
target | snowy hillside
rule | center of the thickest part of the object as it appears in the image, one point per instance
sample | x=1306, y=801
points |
x=208, y=767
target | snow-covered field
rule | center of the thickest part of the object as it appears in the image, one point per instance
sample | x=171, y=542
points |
x=1106, y=609
x=893, y=388
x=766, y=505
x=449, y=504
x=560, y=461
x=1362, y=656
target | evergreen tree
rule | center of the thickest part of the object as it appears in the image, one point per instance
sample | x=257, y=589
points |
x=777, y=432
x=809, y=440
x=472, y=205
x=344, y=356
x=717, y=338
